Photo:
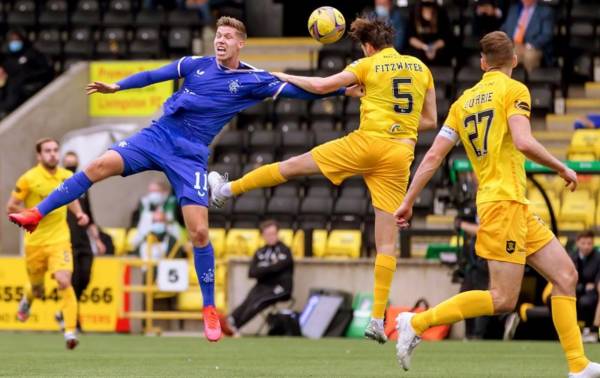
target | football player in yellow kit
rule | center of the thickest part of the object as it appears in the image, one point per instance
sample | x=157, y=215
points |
x=491, y=119
x=398, y=100
x=49, y=249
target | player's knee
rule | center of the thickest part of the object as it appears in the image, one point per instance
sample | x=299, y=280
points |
x=37, y=291
x=503, y=301
x=199, y=235
x=566, y=279
x=99, y=169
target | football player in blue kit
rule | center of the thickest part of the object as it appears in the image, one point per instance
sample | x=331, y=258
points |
x=214, y=90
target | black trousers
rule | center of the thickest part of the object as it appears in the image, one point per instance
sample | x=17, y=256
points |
x=586, y=307
x=82, y=271
x=259, y=298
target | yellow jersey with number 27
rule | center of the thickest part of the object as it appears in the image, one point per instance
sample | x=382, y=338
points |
x=395, y=87
x=480, y=119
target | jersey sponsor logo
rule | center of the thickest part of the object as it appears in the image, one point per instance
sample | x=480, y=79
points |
x=522, y=105
x=511, y=245
x=395, y=128
x=234, y=86
x=199, y=72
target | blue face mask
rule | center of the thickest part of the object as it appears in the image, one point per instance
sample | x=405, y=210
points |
x=158, y=228
x=382, y=11
x=15, y=45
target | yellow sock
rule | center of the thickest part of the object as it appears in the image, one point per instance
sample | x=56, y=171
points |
x=468, y=304
x=385, y=266
x=564, y=316
x=29, y=294
x=69, y=308
x=261, y=177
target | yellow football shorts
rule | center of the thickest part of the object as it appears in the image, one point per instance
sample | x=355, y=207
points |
x=509, y=232
x=383, y=163
x=48, y=258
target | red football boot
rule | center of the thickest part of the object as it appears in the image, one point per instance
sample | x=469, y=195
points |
x=27, y=219
x=212, y=326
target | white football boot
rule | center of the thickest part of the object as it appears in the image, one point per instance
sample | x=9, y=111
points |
x=375, y=331
x=592, y=370
x=215, y=183
x=407, y=339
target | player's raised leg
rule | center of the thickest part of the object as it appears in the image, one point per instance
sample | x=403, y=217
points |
x=196, y=221
x=109, y=164
x=505, y=279
x=555, y=265
x=262, y=177
x=385, y=267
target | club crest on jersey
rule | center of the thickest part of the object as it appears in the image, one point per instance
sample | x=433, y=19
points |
x=522, y=105
x=511, y=245
x=234, y=86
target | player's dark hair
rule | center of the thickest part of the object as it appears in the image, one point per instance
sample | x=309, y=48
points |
x=586, y=234
x=41, y=142
x=498, y=49
x=268, y=223
x=70, y=153
x=377, y=33
x=233, y=23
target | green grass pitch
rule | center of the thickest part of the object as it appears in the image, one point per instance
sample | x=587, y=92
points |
x=41, y=354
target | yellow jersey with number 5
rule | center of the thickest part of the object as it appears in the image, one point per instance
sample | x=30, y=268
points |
x=395, y=87
x=480, y=118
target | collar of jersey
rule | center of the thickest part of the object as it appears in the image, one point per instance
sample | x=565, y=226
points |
x=493, y=73
x=44, y=172
x=225, y=69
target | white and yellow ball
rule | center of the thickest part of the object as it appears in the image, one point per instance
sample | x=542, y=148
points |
x=326, y=24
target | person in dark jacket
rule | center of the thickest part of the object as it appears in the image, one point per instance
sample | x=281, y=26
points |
x=23, y=71
x=273, y=268
x=587, y=262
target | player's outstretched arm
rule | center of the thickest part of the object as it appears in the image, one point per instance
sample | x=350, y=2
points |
x=319, y=85
x=441, y=146
x=428, y=119
x=520, y=131
x=291, y=91
x=170, y=71
x=14, y=205
x=75, y=208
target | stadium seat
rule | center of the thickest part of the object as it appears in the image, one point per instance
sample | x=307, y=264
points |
x=242, y=242
x=118, y=14
x=149, y=17
x=190, y=300
x=319, y=242
x=297, y=245
x=118, y=236
x=314, y=212
x=290, y=188
x=284, y=209
x=131, y=234
x=576, y=208
x=22, y=14
x=286, y=235
x=538, y=206
x=542, y=98
x=332, y=62
x=261, y=157
x=265, y=140
x=319, y=189
x=352, y=124
x=442, y=75
x=343, y=243
x=54, y=14
x=86, y=14
x=585, y=141
x=220, y=217
x=348, y=212
x=589, y=183
x=179, y=41
x=49, y=43
x=468, y=75
x=581, y=156
x=324, y=136
x=545, y=75
x=217, y=239
x=183, y=18
x=352, y=108
x=353, y=188
x=146, y=44
x=323, y=125
x=424, y=201
x=326, y=108
x=113, y=44
x=288, y=125
x=80, y=45
x=290, y=108
x=249, y=206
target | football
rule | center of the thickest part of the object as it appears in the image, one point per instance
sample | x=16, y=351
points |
x=326, y=25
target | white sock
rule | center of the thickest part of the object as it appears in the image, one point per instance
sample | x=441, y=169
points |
x=226, y=190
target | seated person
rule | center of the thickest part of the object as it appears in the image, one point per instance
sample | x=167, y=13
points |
x=587, y=262
x=273, y=268
x=429, y=33
x=158, y=243
x=160, y=198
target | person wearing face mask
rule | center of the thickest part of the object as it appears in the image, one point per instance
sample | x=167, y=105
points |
x=84, y=241
x=429, y=33
x=273, y=268
x=23, y=71
x=385, y=10
x=158, y=198
x=158, y=243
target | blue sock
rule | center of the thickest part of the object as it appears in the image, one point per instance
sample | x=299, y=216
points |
x=204, y=261
x=66, y=193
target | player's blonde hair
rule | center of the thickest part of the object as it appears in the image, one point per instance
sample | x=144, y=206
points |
x=233, y=23
x=377, y=33
x=497, y=48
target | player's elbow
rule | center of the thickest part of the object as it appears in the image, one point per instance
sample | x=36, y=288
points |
x=320, y=86
x=428, y=123
x=524, y=145
x=433, y=158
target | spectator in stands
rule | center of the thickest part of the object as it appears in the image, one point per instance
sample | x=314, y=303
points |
x=159, y=197
x=23, y=71
x=587, y=262
x=158, y=243
x=81, y=236
x=387, y=11
x=531, y=26
x=273, y=268
x=429, y=33
x=487, y=17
